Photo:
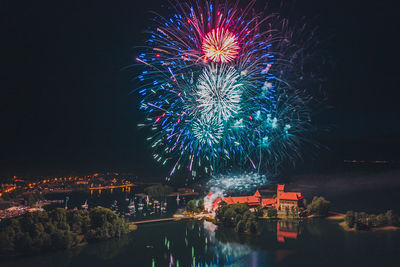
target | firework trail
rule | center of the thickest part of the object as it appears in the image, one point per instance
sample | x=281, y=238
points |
x=214, y=92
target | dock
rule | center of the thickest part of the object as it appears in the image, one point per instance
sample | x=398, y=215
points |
x=160, y=220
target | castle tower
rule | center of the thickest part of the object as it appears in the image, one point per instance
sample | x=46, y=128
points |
x=279, y=191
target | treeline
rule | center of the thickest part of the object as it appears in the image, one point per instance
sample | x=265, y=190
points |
x=191, y=206
x=362, y=220
x=238, y=216
x=319, y=206
x=58, y=229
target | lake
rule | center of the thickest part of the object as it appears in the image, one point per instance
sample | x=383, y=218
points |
x=315, y=242
x=185, y=243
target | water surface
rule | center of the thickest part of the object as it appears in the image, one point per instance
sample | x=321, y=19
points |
x=185, y=243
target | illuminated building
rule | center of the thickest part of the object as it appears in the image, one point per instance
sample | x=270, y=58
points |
x=282, y=201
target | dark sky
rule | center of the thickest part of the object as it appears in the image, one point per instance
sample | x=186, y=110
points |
x=65, y=102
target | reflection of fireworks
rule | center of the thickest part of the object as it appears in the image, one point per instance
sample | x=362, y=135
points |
x=214, y=89
x=234, y=251
x=220, y=45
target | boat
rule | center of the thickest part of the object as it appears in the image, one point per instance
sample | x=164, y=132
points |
x=85, y=206
x=114, y=206
x=140, y=206
x=131, y=205
x=163, y=206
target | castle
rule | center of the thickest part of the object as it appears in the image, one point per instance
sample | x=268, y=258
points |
x=282, y=201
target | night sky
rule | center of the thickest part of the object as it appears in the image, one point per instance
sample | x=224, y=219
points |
x=66, y=101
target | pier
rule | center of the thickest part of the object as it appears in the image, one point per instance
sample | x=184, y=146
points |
x=160, y=220
x=110, y=186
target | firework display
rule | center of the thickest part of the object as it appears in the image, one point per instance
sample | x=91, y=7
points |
x=214, y=89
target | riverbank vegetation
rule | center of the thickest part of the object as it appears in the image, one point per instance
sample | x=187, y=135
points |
x=192, y=206
x=319, y=206
x=58, y=229
x=363, y=221
x=238, y=216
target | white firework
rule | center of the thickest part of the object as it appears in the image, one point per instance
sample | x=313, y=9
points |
x=218, y=92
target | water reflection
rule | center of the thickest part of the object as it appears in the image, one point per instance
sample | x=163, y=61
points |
x=210, y=246
x=225, y=246
x=123, y=189
x=287, y=229
x=196, y=243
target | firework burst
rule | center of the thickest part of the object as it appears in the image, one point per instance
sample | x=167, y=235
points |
x=220, y=45
x=214, y=90
x=218, y=92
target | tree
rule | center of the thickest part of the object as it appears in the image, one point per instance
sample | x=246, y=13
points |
x=79, y=221
x=390, y=218
x=381, y=220
x=200, y=205
x=287, y=211
x=247, y=215
x=293, y=211
x=349, y=218
x=319, y=206
x=59, y=218
x=259, y=211
x=191, y=206
x=363, y=217
x=272, y=212
x=240, y=226
x=238, y=218
x=251, y=226
x=58, y=230
x=304, y=203
x=105, y=224
x=219, y=213
x=229, y=216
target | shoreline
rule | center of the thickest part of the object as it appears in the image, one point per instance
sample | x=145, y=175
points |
x=372, y=229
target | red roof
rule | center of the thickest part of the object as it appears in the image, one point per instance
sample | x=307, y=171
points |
x=216, y=203
x=291, y=196
x=268, y=201
x=281, y=187
x=257, y=194
x=251, y=200
x=209, y=194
